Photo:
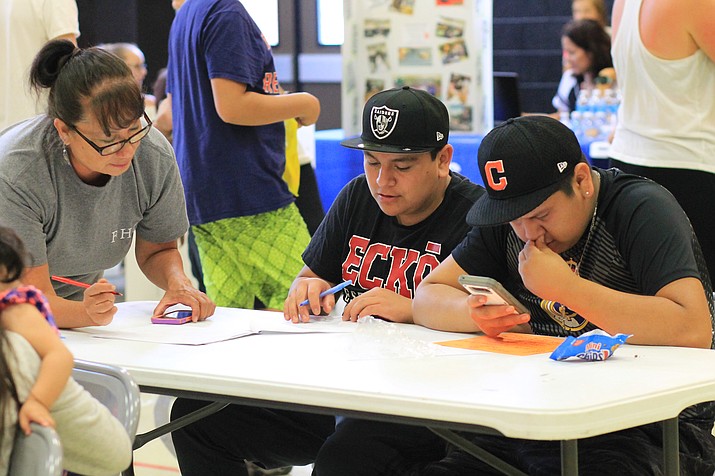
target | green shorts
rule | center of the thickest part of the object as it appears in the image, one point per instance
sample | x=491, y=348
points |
x=250, y=257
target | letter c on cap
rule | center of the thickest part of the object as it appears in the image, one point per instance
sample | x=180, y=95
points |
x=492, y=168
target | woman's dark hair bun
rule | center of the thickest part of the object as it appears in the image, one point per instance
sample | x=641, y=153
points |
x=49, y=62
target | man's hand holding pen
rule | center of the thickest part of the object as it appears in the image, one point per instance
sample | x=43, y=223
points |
x=310, y=295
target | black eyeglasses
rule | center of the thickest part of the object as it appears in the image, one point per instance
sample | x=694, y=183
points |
x=115, y=147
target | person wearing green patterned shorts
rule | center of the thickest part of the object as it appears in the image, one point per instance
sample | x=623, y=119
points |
x=251, y=257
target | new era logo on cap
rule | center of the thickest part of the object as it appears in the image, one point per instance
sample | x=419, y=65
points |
x=402, y=120
x=562, y=166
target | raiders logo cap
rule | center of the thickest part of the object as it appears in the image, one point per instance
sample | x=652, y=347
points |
x=402, y=120
x=522, y=163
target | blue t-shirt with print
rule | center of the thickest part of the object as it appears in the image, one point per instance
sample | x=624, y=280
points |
x=227, y=170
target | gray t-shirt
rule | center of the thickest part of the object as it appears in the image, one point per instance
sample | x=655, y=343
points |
x=82, y=229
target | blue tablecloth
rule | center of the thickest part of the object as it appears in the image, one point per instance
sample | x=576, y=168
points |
x=336, y=165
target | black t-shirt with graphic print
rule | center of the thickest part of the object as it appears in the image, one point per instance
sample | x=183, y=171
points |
x=641, y=241
x=357, y=241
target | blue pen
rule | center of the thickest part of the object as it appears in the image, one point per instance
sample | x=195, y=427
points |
x=332, y=290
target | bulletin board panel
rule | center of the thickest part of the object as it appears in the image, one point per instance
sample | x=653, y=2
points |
x=441, y=46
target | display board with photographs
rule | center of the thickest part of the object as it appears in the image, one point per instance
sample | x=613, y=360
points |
x=441, y=46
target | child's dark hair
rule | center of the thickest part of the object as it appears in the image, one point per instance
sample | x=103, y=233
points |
x=12, y=255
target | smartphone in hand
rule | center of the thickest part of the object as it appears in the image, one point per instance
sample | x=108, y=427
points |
x=491, y=288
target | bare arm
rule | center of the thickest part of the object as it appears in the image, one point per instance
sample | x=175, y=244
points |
x=700, y=27
x=96, y=308
x=673, y=29
x=441, y=302
x=69, y=36
x=161, y=263
x=55, y=366
x=235, y=105
x=164, y=122
x=677, y=315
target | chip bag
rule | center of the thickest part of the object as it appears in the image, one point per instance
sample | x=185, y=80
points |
x=592, y=345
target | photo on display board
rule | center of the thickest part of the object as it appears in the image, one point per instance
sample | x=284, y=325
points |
x=375, y=28
x=377, y=57
x=403, y=6
x=460, y=117
x=373, y=86
x=453, y=52
x=430, y=83
x=431, y=45
x=415, y=56
x=458, y=88
x=450, y=28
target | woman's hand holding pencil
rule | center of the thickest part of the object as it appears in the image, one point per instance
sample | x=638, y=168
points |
x=80, y=284
x=98, y=300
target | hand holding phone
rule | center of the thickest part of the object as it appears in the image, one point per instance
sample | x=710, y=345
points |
x=495, y=293
x=179, y=316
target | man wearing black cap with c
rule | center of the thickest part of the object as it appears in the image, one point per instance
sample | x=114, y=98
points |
x=386, y=230
x=582, y=248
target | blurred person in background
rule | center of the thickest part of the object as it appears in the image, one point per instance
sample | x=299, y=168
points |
x=590, y=10
x=664, y=54
x=25, y=26
x=134, y=57
x=587, y=50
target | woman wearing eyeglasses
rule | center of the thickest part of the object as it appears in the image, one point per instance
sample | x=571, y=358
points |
x=81, y=182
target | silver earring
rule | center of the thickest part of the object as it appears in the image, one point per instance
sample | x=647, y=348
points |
x=65, y=155
x=588, y=193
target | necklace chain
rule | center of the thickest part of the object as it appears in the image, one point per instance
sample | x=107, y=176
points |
x=590, y=229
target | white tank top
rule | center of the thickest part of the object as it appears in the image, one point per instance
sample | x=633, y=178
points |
x=667, y=114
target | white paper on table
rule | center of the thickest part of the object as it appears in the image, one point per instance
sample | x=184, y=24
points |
x=133, y=322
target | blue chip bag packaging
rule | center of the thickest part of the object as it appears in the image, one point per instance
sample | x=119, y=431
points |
x=592, y=345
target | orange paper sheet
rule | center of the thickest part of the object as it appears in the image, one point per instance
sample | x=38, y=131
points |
x=508, y=343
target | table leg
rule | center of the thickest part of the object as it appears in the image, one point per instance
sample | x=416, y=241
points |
x=569, y=457
x=144, y=438
x=477, y=452
x=671, y=447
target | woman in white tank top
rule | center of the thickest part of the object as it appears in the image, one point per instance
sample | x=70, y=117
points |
x=663, y=53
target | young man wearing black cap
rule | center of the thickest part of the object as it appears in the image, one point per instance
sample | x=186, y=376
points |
x=389, y=227
x=582, y=248
x=385, y=232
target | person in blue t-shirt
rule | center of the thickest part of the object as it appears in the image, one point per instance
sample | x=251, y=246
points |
x=229, y=139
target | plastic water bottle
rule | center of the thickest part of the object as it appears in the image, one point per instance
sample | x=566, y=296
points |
x=596, y=102
x=600, y=125
x=576, y=125
x=583, y=100
x=588, y=128
x=611, y=101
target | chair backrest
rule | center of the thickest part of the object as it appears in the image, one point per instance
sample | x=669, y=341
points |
x=114, y=388
x=36, y=454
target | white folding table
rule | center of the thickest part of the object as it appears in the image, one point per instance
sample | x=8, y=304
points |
x=530, y=397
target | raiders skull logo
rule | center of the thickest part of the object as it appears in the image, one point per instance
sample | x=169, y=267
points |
x=383, y=121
